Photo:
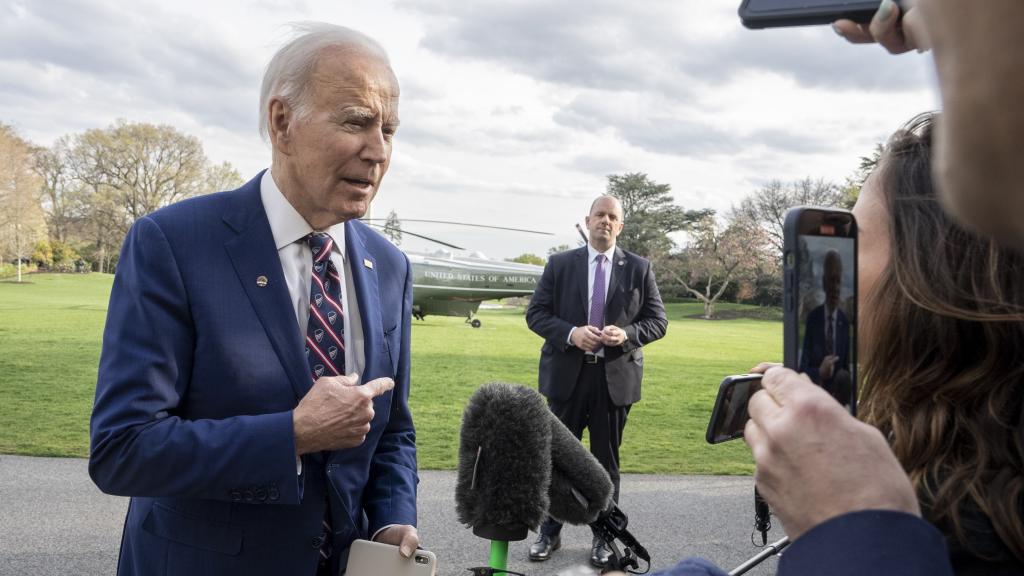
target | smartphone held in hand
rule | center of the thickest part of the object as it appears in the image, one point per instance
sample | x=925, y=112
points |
x=820, y=299
x=729, y=416
x=368, y=558
x=781, y=13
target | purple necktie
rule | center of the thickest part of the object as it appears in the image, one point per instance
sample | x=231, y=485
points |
x=597, y=297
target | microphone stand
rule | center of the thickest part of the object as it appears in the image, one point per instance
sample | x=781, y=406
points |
x=500, y=536
x=761, y=556
x=611, y=526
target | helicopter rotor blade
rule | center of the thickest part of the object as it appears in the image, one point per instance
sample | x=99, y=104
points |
x=464, y=224
x=427, y=238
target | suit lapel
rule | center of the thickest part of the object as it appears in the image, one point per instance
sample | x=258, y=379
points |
x=364, y=278
x=253, y=254
x=582, y=266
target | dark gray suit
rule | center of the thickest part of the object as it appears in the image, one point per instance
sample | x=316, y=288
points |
x=561, y=303
x=598, y=395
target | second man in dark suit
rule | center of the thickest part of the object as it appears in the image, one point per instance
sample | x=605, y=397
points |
x=596, y=307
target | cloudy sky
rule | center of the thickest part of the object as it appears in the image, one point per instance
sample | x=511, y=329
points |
x=513, y=111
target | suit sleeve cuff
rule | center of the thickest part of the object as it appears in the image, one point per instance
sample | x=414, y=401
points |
x=381, y=529
x=869, y=542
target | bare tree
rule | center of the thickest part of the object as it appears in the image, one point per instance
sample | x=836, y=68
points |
x=21, y=217
x=767, y=207
x=59, y=188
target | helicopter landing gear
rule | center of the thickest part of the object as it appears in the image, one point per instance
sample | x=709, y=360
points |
x=474, y=322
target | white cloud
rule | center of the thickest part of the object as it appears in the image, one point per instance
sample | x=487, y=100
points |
x=513, y=112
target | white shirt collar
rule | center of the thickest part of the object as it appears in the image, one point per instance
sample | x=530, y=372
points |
x=286, y=224
x=592, y=253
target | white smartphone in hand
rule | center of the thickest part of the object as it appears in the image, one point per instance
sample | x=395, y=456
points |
x=367, y=558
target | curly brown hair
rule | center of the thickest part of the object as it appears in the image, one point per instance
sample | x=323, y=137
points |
x=944, y=373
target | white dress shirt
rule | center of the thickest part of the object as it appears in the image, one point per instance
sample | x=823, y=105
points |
x=290, y=230
x=592, y=253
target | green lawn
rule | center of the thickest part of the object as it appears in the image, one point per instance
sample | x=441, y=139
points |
x=50, y=331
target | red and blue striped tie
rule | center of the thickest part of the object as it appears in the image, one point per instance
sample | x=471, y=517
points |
x=325, y=334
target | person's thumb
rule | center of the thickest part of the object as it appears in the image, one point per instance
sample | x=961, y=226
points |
x=783, y=383
x=379, y=386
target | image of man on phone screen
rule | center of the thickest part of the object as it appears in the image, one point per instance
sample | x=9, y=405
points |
x=825, y=355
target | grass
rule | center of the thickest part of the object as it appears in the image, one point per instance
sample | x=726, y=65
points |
x=50, y=333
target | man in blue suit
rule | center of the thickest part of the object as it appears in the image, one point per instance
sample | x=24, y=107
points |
x=253, y=388
x=825, y=355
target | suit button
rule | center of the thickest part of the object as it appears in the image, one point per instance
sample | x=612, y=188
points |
x=272, y=493
x=261, y=493
x=247, y=495
x=236, y=496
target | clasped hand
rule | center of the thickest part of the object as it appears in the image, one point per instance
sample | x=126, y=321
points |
x=592, y=338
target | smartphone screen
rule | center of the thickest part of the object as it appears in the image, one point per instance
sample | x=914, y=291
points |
x=729, y=416
x=778, y=13
x=821, y=300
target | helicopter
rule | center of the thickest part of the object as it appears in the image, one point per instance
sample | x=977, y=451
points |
x=446, y=283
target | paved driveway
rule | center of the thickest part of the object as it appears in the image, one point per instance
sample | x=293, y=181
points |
x=53, y=521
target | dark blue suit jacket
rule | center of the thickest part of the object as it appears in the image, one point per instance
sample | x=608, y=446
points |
x=560, y=303
x=868, y=543
x=813, y=351
x=200, y=371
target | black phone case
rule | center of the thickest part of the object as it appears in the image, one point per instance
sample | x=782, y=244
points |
x=790, y=290
x=709, y=434
x=858, y=11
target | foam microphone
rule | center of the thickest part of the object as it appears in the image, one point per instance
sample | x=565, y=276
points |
x=580, y=487
x=581, y=493
x=504, y=465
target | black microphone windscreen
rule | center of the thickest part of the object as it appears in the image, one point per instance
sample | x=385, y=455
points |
x=580, y=487
x=504, y=458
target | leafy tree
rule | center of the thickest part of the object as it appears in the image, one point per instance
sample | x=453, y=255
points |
x=42, y=254
x=22, y=223
x=560, y=248
x=97, y=183
x=393, y=228
x=649, y=213
x=145, y=166
x=528, y=258
x=851, y=188
x=219, y=177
